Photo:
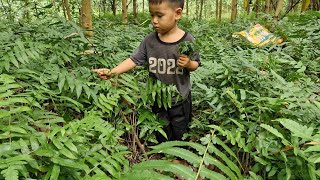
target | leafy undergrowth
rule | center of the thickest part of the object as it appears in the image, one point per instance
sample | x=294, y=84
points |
x=256, y=110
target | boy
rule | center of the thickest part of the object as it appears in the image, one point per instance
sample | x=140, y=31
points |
x=159, y=50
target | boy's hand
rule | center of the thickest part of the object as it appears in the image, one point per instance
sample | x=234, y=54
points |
x=184, y=61
x=103, y=73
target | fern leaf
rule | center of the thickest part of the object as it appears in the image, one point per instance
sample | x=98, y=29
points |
x=230, y=164
x=206, y=173
x=67, y=153
x=97, y=177
x=297, y=129
x=225, y=147
x=315, y=148
x=169, y=144
x=70, y=163
x=145, y=175
x=24, y=147
x=23, y=157
x=55, y=172
x=272, y=130
x=226, y=170
x=107, y=166
x=182, y=153
x=201, y=149
x=10, y=174
x=163, y=165
x=71, y=146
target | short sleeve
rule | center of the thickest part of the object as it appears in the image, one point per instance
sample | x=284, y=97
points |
x=139, y=56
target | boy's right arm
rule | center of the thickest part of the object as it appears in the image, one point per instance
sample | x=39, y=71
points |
x=123, y=67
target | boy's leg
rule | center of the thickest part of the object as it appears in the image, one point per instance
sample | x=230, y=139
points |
x=180, y=116
x=163, y=114
x=177, y=117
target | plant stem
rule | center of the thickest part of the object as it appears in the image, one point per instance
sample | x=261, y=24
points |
x=204, y=155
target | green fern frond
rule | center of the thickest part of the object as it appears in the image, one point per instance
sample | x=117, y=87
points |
x=182, y=153
x=225, y=169
x=97, y=177
x=297, y=129
x=230, y=164
x=55, y=172
x=163, y=165
x=11, y=173
x=167, y=146
x=144, y=175
x=206, y=173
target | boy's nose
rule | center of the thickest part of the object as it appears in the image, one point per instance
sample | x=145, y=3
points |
x=154, y=20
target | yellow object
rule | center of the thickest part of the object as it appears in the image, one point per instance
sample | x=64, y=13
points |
x=258, y=36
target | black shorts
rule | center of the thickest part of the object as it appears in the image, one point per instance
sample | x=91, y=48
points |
x=177, y=117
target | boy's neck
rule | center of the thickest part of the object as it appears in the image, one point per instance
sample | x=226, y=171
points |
x=174, y=35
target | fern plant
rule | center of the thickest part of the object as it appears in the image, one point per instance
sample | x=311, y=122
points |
x=299, y=150
x=200, y=157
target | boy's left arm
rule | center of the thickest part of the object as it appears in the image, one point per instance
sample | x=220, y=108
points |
x=186, y=62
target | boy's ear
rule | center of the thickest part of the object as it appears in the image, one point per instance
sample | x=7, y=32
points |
x=178, y=13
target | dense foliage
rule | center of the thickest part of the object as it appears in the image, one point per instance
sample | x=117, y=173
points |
x=256, y=110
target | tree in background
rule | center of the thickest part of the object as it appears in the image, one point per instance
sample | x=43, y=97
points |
x=217, y=9
x=113, y=7
x=220, y=11
x=67, y=9
x=135, y=8
x=267, y=6
x=201, y=9
x=187, y=7
x=86, y=17
x=233, y=10
x=305, y=4
x=278, y=9
x=124, y=12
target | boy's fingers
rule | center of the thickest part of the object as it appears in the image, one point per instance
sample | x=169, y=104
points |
x=103, y=77
x=101, y=71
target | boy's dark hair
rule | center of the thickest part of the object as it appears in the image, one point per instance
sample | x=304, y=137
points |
x=176, y=3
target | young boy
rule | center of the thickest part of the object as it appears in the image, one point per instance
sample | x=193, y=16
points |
x=159, y=50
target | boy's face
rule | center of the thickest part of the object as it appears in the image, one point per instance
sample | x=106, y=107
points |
x=164, y=16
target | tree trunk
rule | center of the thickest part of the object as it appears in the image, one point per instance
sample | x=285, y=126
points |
x=267, y=7
x=305, y=5
x=315, y=5
x=134, y=6
x=233, y=10
x=142, y=5
x=257, y=8
x=248, y=6
x=63, y=10
x=114, y=7
x=201, y=9
x=220, y=10
x=187, y=7
x=66, y=5
x=197, y=8
x=278, y=9
x=86, y=17
x=124, y=12
x=217, y=9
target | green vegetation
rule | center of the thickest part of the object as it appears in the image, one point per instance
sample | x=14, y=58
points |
x=256, y=110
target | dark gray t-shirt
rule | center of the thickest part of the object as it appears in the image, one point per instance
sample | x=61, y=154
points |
x=161, y=59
